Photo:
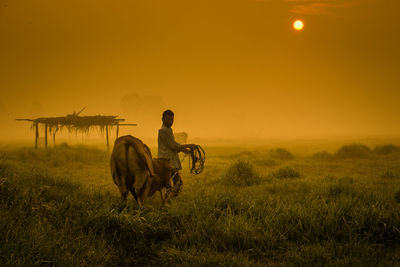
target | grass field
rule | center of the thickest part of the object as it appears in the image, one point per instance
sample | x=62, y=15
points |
x=250, y=207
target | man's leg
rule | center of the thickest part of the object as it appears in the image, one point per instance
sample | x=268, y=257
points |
x=177, y=188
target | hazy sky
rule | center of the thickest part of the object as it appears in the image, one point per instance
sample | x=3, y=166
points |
x=228, y=68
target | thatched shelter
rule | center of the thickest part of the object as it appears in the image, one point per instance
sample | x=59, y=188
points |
x=75, y=123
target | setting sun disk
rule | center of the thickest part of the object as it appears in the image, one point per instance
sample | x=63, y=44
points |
x=298, y=25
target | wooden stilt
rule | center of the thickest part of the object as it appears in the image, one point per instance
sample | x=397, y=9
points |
x=108, y=145
x=83, y=121
x=36, y=134
x=45, y=135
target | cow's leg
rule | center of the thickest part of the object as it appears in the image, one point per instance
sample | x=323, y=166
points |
x=124, y=196
x=142, y=184
x=120, y=182
x=165, y=191
x=122, y=188
x=135, y=196
x=140, y=202
x=162, y=197
x=130, y=186
x=123, y=192
x=177, y=188
x=155, y=186
x=141, y=197
x=168, y=186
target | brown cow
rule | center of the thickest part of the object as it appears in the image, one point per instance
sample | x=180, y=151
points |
x=133, y=170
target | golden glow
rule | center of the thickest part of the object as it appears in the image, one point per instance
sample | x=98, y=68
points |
x=228, y=69
x=298, y=25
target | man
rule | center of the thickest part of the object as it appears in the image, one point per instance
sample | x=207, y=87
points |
x=169, y=148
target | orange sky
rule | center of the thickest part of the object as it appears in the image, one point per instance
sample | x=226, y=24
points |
x=229, y=69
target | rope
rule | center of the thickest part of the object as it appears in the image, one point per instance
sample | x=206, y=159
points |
x=197, y=159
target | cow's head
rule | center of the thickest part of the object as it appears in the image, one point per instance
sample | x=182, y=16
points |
x=164, y=169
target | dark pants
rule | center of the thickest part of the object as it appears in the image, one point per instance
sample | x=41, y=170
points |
x=177, y=188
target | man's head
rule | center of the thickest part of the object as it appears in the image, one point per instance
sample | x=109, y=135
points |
x=168, y=118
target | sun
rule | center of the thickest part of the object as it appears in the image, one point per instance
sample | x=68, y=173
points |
x=298, y=25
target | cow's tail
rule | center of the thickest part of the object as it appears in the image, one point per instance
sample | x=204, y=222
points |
x=128, y=171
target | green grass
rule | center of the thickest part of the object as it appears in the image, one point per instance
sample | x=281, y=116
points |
x=241, y=173
x=285, y=172
x=60, y=207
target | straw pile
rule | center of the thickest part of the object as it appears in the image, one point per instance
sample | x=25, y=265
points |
x=75, y=123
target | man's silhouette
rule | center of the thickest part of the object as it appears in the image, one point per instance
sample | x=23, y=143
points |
x=169, y=148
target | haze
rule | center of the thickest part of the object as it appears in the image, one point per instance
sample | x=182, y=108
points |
x=228, y=69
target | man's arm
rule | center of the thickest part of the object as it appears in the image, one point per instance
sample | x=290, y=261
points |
x=186, y=148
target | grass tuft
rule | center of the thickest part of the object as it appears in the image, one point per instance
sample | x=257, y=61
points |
x=386, y=149
x=285, y=172
x=353, y=151
x=241, y=173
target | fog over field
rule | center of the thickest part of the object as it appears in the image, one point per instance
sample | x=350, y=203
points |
x=291, y=109
x=229, y=69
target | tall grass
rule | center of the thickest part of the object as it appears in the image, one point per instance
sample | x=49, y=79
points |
x=241, y=173
x=285, y=172
x=48, y=218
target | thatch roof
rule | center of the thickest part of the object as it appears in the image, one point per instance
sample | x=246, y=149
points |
x=74, y=122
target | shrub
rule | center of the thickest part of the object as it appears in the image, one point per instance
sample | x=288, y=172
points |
x=386, y=149
x=241, y=173
x=286, y=172
x=281, y=153
x=353, y=151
